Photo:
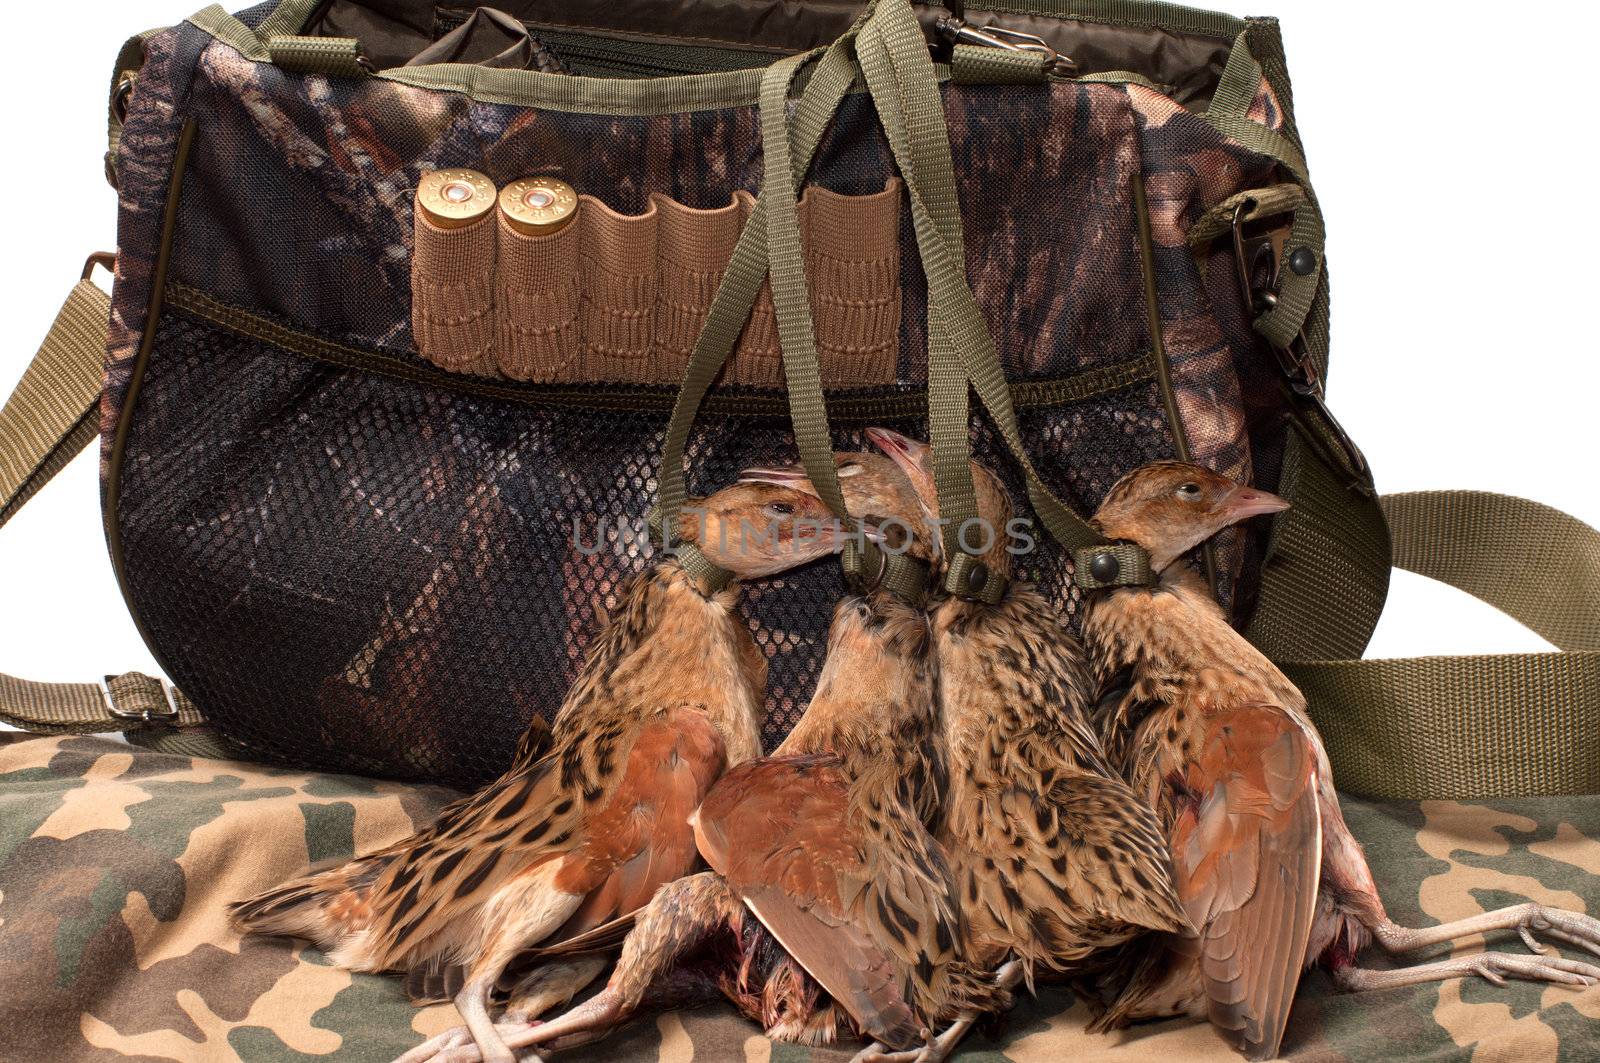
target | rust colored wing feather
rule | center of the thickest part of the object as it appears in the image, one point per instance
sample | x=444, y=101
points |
x=640, y=839
x=1247, y=854
x=778, y=831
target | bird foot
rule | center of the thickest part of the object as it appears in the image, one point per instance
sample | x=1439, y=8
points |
x=935, y=1050
x=1530, y=921
x=1574, y=928
x=457, y=1046
x=1495, y=967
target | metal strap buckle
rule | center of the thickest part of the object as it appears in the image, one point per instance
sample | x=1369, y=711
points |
x=169, y=715
x=852, y=559
x=958, y=31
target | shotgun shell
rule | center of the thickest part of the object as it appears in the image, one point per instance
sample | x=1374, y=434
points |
x=538, y=206
x=454, y=199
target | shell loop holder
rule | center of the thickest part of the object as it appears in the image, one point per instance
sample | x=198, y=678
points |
x=1097, y=568
x=970, y=577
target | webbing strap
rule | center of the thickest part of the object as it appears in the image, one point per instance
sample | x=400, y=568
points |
x=1450, y=728
x=1297, y=292
x=864, y=562
x=904, y=87
x=741, y=283
x=52, y=414
x=791, y=300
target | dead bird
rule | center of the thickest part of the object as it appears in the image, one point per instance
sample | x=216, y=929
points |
x=855, y=924
x=670, y=696
x=1218, y=739
x=1057, y=858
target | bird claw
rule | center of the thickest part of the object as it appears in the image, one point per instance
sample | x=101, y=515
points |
x=457, y=1046
x=934, y=1049
x=1574, y=928
x=1496, y=967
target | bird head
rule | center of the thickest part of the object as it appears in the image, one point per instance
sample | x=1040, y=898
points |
x=915, y=459
x=1170, y=507
x=876, y=491
x=761, y=529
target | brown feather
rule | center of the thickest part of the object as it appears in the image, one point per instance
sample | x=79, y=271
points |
x=777, y=831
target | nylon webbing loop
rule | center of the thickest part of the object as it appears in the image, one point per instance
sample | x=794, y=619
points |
x=332, y=56
x=904, y=86
x=791, y=300
x=868, y=566
x=1284, y=322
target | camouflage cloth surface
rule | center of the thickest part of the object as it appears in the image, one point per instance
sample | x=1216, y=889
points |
x=115, y=864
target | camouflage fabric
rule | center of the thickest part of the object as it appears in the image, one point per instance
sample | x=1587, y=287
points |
x=115, y=864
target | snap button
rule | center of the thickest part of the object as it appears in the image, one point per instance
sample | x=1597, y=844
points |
x=1105, y=568
x=1303, y=261
x=454, y=199
x=977, y=578
x=539, y=206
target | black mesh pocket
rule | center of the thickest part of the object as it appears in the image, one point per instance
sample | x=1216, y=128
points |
x=353, y=571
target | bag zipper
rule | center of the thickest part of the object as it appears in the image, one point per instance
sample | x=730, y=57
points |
x=858, y=406
x=959, y=31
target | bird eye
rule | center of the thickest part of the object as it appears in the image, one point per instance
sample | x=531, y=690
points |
x=780, y=509
x=1189, y=492
x=849, y=468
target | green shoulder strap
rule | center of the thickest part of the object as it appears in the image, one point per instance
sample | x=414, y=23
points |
x=1451, y=728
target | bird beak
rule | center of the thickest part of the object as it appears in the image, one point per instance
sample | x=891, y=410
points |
x=1246, y=502
x=905, y=451
x=791, y=476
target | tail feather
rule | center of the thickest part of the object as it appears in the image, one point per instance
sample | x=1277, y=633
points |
x=434, y=981
x=325, y=907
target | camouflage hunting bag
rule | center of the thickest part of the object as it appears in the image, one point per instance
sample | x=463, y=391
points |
x=374, y=464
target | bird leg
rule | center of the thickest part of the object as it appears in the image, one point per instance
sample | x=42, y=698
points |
x=1547, y=965
x=938, y=1049
x=548, y=986
x=473, y=1004
x=1574, y=928
x=552, y=985
x=679, y=918
x=1496, y=967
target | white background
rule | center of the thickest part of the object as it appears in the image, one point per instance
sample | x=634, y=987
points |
x=1453, y=148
